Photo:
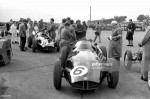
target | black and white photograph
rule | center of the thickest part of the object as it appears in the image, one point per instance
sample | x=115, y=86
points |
x=74, y=49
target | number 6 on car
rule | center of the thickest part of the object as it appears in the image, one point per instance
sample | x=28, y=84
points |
x=78, y=71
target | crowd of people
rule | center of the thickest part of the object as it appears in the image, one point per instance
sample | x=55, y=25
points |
x=22, y=30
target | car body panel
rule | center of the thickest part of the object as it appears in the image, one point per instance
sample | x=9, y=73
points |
x=86, y=64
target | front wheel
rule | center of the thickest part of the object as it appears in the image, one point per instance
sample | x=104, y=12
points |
x=112, y=79
x=64, y=55
x=57, y=75
x=113, y=75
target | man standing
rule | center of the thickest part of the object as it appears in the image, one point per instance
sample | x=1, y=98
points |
x=7, y=29
x=52, y=29
x=41, y=26
x=145, y=44
x=80, y=30
x=13, y=31
x=130, y=31
x=115, y=45
x=27, y=32
x=22, y=34
x=61, y=27
x=84, y=24
x=66, y=36
x=98, y=32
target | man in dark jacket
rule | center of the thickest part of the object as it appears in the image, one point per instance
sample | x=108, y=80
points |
x=130, y=31
x=41, y=26
x=80, y=30
x=22, y=34
x=7, y=28
x=66, y=36
x=52, y=29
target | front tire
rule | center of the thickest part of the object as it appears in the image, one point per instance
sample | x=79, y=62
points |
x=64, y=55
x=113, y=76
x=57, y=75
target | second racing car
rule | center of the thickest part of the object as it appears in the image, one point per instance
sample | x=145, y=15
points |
x=41, y=41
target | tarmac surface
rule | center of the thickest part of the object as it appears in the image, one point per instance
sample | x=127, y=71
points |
x=30, y=76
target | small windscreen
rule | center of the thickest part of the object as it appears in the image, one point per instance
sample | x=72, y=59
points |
x=83, y=45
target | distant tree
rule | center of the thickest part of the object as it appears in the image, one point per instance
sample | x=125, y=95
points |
x=11, y=20
x=147, y=17
x=120, y=18
x=141, y=17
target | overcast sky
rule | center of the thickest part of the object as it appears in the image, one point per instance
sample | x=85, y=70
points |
x=76, y=9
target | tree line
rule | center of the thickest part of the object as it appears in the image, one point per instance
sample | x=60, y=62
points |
x=120, y=19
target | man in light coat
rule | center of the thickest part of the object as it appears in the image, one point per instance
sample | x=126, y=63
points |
x=145, y=44
x=13, y=31
x=115, y=45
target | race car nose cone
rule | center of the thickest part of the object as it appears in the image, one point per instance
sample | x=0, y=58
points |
x=85, y=78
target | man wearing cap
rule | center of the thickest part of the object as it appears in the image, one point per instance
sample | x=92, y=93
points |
x=145, y=44
x=52, y=29
x=80, y=30
x=130, y=31
x=115, y=44
x=22, y=34
x=66, y=36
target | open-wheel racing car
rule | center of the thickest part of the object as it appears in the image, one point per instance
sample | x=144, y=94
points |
x=42, y=41
x=129, y=58
x=85, y=66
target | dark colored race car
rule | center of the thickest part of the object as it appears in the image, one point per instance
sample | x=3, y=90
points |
x=42, y=41
x=85, y=65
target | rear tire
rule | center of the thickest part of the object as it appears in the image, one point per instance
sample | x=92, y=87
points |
x=57, y=75
x=113, y=76
x=128, y=60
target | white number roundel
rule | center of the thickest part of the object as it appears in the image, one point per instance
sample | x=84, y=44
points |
x=78, y=71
